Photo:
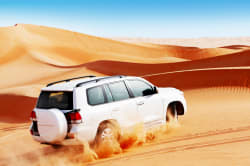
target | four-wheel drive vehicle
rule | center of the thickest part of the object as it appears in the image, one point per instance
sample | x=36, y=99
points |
x=92, y=107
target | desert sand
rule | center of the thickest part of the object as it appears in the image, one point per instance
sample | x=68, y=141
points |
x=201, y=42
x=215, y=81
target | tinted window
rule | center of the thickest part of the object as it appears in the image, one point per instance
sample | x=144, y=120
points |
x=95, y=96
x=119, y=91
x=138, y=87
x=60, y=100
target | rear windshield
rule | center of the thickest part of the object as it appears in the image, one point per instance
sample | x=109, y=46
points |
x=60, y=100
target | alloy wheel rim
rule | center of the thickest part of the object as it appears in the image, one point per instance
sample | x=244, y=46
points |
x=107, y=133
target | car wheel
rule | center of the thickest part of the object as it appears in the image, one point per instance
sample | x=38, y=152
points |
x=107, y=131
x=171, y=115
x=107, y=140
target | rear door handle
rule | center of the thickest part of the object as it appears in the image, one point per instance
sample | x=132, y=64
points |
x=140, y=103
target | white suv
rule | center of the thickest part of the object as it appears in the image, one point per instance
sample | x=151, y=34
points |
x=91, y=107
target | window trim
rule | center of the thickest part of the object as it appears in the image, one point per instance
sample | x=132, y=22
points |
x=107, y=87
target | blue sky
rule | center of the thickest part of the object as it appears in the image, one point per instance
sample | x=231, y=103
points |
x=134, y=18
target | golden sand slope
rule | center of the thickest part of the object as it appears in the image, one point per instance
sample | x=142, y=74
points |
x=63, y=47
x=32, y=56
x=203, y=42
x=215, y=82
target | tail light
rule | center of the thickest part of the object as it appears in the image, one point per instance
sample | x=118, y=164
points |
x=74, y=117
x=33, y=116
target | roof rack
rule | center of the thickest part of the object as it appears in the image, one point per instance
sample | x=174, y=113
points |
x=67, y=80
x=99, y=79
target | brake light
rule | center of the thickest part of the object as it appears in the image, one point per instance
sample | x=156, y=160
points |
x=74, y=117
x=33, y=116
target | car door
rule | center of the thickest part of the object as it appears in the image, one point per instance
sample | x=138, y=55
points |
x=149, y=103
x=123, y=107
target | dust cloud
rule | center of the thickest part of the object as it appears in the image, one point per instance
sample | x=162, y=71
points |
x=81, y=152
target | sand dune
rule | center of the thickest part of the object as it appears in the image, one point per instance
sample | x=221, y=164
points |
x=25, y=71
x=230, y=60
x=195, y=53
x=215, y=82
x=70, y=48
x=203, y=78
x=42, y=52
x=16, y=109
x=203, y=42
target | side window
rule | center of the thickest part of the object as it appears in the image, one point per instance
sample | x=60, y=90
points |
x=95, y=96
x=108, y=94
x=140, y=88
x=119, y=91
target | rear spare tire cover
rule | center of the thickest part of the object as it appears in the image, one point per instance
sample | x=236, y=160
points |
x=52, y=125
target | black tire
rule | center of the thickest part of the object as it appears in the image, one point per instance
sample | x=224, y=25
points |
x=171, y=114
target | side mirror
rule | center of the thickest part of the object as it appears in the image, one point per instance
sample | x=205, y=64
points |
x=155, y=90
x=150, y=91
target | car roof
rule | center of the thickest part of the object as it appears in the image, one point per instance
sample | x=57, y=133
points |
x=70, y=85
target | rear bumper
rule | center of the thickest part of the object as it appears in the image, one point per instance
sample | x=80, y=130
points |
x=83, y=133
x=77, y=133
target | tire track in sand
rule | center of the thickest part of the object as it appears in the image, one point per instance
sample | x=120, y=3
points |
x=14, y=128
x=186, y=146
x=169, y=149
